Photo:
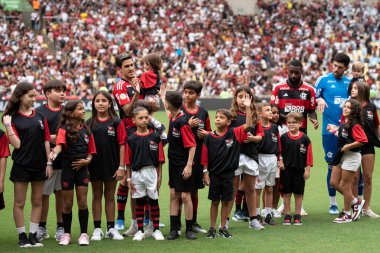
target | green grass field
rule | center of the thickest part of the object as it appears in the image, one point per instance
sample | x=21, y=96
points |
x=317, y=234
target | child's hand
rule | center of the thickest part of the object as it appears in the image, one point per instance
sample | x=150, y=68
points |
x=193, y=122
x=159, y=180
x=250, y=138
x=247, y=100
x=281, y=164
x=119, y=175
x=53, y=154
x=187, y=172
x=201, y=133
x=80, y=163
x=306, y=174
x=206, y=179
x=7, y=120
x=131, y=186
x=331, y=128
x=345, y=148
x=314, y=122
x=49, y=171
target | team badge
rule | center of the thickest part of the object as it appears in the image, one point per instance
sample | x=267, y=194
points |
x=111, y=131
x=344, y=133
x=369, y=115
x=229, y=143
x=201, y=124
x=302, y=149
x=41, y=124
x=274, y=137
x=86, y=138
x=303, y=96
x=153, y=146
x=176, y=133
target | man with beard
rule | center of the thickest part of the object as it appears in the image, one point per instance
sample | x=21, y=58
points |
x=331, y=92
x=295, y=96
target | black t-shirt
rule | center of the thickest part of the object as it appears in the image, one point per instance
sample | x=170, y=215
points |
x=270, y=144
x=144, y=150
x=180, y=139
x=53, y=117
x=220, y=153
x=296, y=151
x=33, y=131
x=203, y=116
x=108, y=135
x=350, y=134
x=248, y=149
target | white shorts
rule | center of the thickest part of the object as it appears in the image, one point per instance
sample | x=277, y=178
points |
x=53, y=183
x=247, y=166
x=145, y=181
x=350, y=161
x=267, y=171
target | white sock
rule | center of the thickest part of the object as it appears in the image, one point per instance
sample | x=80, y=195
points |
x=33, y=227
x=134, y=222
x=347, y=212
x=268, y=210
x=333, y=200
x=21, y=230
x=257, y=211
x=354, y=201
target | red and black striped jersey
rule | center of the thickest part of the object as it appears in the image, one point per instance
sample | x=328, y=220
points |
x=220, y=153
x=180, y=139
x=301, y=99
x=297, y=151
x=144, y=150
x=108, y=135
x=33, y=131
x=4, y=145
x=123, y=93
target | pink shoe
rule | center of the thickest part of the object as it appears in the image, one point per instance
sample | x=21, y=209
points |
x=84, y=240
x=65, y=239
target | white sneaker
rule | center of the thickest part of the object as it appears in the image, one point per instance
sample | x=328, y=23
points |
x=42, y=234
x=97, y=235
x=139, y=236
x=83, y=240
x=157, y=235
x=148, y=231
x=303, y=212
x=58, y=233
x=114, y=234
x=255, y=223
x=65, y=239
x=280, y=209
x=132, y=230
x=276, y=213
x=263, y=214
x=368, y=212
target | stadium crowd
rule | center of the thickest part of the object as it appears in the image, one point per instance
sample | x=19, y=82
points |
x=77, y=41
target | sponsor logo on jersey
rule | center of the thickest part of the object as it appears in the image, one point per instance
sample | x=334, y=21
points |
x=176, y=133
x=331, y=81
x=86, y=138
x=229, y=143
x=302, y=149
x=294, y=108
x=344, y=133
x=123, y=96
x=369, y=115
x=41, y=124
x=111, y=131
x=153, y=146
x=303, y=96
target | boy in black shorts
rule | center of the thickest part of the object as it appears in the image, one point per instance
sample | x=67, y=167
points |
x=295, y=163
x=220, y=158
x=181, y=153
x=199, y=122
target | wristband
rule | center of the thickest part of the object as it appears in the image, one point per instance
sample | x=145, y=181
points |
x=280, y=157
x=88, y=159
x=205, y=171
x=129, y=179
x=122, y=167
x=49, y=163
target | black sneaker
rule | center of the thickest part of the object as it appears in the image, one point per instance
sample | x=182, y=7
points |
x=269, y=220
x=191, y=235
x=33, y=240
x=198, y=229
x=211, y=233
x=260, y=219
x=297, y=219
x=173, y=235
x=287, y=220
x=23, y=241
x=223, y=232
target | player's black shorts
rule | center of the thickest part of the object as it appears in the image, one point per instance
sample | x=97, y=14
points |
x=104, y=174
x=198, y=177
x=71, y=177
x=176, y=180
x=292, y=181
x=367, y=149
x=221, y=187
x=20, y=173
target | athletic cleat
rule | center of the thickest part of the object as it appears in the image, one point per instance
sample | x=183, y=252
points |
x=368, y=212
x=333, y=209
x=343, y=218
x=357, y=208
x=157, y=235
x=139, y=236
x=303, y=212
x=173, y=235
x=132, y=230
x=58, y=233
x=97, y=235
x=119, y=225
x=211, y=233
x=198, y=229
x=161, y=225
x=276, y=214
x=34, y=241
x=269, y=220
x=238, y=216
x=146, y=221
x=83, y=240
x=244, y=215
x=23, y=241
x=255, y=224
x=191, y=235
x=297, y=220
x=65, y=239
x=260, y=219
x=148, y=231
x=114, y=234
x=42, y=234
x=287, y=220
x=223, y=232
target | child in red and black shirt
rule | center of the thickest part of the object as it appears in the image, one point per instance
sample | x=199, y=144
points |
x=150, y=80
x=4, y=153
